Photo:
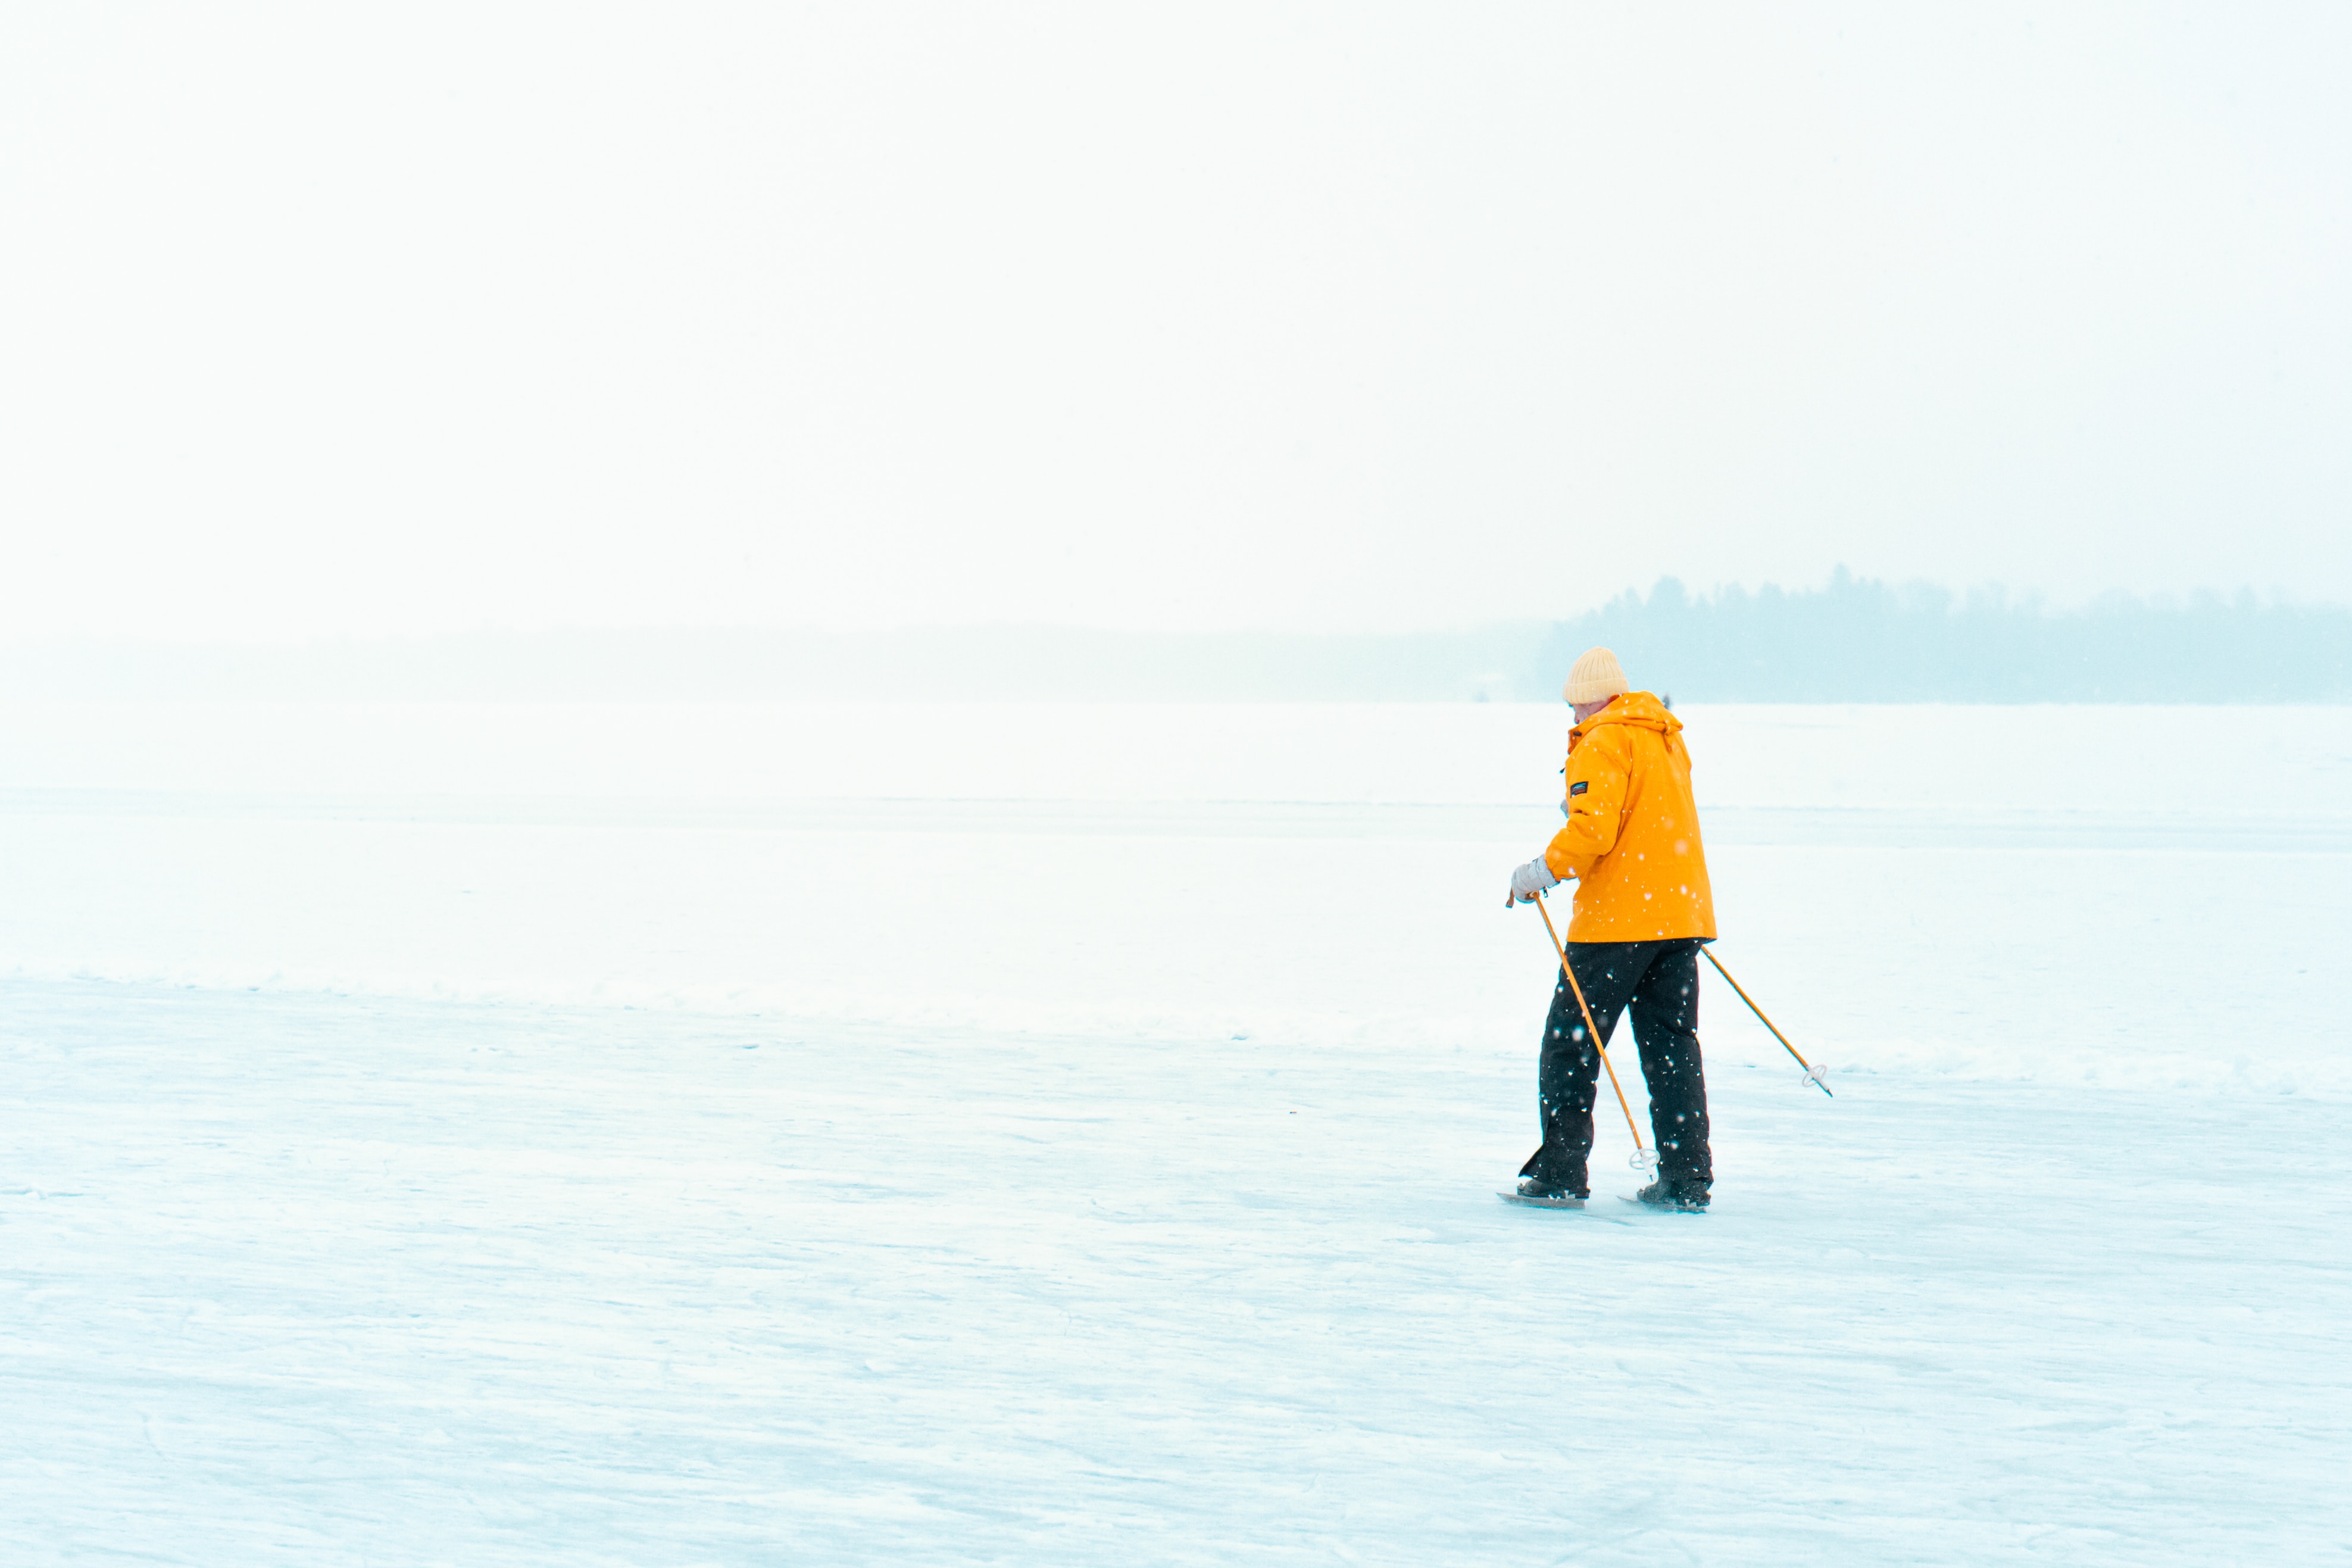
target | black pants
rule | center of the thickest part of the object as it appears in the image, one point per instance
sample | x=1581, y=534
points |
x=1660, y=979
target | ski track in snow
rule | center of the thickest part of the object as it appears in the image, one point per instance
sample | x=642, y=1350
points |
x=653, y=1174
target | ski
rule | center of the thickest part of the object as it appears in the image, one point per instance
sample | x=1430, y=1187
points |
x=1541, y=1202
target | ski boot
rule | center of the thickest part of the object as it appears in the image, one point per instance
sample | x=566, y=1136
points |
x=1684, y=1198
x=1550, y=1194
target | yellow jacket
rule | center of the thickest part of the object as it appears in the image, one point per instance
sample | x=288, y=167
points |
x=1632, y=839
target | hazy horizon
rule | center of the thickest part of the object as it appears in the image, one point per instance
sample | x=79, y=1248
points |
x=1850, y=641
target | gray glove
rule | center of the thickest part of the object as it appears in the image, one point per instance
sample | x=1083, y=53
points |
x=1530, y=879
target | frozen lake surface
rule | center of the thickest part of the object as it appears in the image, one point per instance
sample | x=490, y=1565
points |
x=1068, y=1135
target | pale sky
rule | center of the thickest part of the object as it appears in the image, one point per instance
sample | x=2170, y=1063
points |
x=324, y=320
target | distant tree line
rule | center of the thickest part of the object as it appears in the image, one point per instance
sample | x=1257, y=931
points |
x=1852, y=641
x=1859, y=640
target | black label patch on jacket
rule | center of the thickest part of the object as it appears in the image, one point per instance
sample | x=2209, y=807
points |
x=1579, y=786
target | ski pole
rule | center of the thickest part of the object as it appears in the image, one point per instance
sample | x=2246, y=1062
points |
x=1816, y=1076
x=1592, y=1032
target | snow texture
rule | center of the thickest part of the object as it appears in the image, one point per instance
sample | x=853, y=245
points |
x=756, y=1135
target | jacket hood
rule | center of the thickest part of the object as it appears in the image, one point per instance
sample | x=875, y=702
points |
x=1638, y=709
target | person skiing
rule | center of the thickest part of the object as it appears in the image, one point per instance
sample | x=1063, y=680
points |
x=1644, y=909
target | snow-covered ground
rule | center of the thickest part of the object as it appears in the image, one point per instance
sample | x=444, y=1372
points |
x=753, y=1135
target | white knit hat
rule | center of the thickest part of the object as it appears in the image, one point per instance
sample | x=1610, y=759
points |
x=1597, y=674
